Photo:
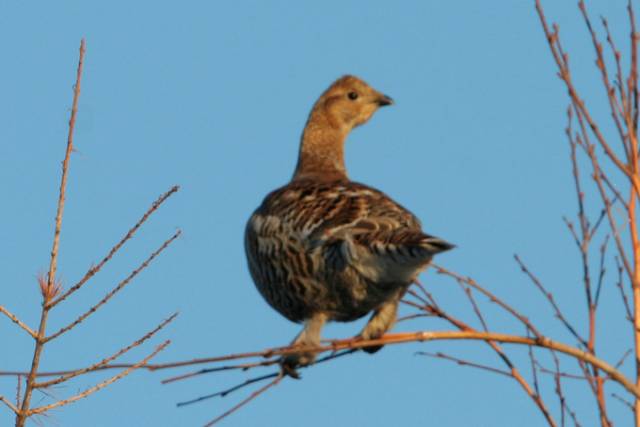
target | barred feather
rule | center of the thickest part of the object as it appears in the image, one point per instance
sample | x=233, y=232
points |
x=338, y=247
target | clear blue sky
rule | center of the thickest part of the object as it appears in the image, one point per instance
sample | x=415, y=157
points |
x=213, y=96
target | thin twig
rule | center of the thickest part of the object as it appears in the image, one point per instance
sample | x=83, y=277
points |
x=247, y=366
x=412, y=316
x=561, y=60
x=623, y=105
x=10, y=405
x=115, y=290
x=602, y=270
x=94, y=269
x=229, y=390
x=493, y=298
x=622, y=359
x=17, y=321
x=534, y=373
x=101, y=385
x=616, y=109
x=462, y=362
x=623, y=401
x=247, y=400
x=434, y=309
x=241, y=366
x=109, y=359
x=18, y=390
x=583, y=240
x=567, y=375
x=476, y=308
x=549, y=296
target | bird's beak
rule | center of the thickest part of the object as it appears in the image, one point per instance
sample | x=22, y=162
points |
x=384, y=100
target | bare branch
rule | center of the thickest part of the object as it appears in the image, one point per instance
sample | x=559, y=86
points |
x=534, y=373
x=65, y=170
x=462, y=362
x=17, y=321
x=562, y=62
x=602, y=270
x=89, y=391
x=623, y=401
x=493, y=298
x=422, y=336
x=51, y=275
x=513, y=370
x=93, y=270
x=247, y=366
x=622, y=359
x=9, y=404
x=247, y=400
x=18, y=389
x=229, y=390
x=616, y=108
x=107, y=360
x=549, y=296
x=115, y=290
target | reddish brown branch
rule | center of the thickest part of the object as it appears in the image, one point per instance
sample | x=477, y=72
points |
x=493, y=298
x=616, y=109
x=549, y=296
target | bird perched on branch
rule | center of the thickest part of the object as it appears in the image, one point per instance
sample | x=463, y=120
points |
x=326, y=248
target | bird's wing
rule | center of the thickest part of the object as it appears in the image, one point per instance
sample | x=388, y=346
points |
x=376, y=236
x=382, y=249
x=346, y=223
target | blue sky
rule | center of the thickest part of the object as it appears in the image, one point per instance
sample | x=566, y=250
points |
x=213, y=96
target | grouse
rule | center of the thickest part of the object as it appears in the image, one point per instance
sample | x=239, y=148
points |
x=325, y=248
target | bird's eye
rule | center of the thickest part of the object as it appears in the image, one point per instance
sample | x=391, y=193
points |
x=353, y=95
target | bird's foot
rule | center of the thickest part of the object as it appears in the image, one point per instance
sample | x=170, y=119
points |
x=370, y=348
x=290, y=363
x=373, y=331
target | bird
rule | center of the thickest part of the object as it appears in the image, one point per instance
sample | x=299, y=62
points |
x=325, y=248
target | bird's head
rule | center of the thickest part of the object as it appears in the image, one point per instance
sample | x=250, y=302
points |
x=350, y=102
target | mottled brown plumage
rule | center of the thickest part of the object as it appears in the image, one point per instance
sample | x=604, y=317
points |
x=326, y=248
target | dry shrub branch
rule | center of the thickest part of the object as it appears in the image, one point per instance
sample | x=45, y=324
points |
x=53, y=295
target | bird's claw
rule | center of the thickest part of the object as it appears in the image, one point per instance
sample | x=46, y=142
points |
x=288, y=365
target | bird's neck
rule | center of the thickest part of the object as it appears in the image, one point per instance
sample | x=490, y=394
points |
x=321, y=155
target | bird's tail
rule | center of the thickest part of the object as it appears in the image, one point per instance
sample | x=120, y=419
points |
x=435, y=245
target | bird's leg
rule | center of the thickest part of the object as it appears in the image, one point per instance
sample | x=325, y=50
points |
x=309, y=337
x=382, y=319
